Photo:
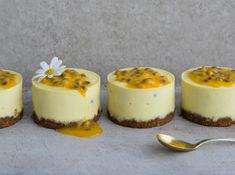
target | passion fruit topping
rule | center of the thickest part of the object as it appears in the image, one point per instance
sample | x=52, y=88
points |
x=138, y=77
x=70, y=79
x=213, y=76
x=7, y=79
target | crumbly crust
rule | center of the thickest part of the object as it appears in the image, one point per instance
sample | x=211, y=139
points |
x=197, y=118
x=10, y=120
x=149, y=124
x=52, y=124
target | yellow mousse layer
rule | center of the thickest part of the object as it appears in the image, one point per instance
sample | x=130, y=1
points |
x=63, y=101
x=10, y=93
x=135, y=99
x=213, y=98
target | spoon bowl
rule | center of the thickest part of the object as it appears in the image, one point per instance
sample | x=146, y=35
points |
x=183, y=146
x=175, y=144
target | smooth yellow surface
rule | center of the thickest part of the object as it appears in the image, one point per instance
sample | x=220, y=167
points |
x=207, y=101
x=67, y=105
x=11, y=98
x=126, y=103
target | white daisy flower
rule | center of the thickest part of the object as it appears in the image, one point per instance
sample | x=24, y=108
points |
x=54, y=69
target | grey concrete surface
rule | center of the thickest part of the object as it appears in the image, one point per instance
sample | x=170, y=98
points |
x=103, y=35
x=27, y=149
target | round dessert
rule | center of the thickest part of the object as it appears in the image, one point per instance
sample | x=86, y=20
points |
x=67, y=99
x=208, y=95
x=11, y=107
x=141, y=97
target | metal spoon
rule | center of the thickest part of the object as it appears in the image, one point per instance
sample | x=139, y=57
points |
x=180, y=145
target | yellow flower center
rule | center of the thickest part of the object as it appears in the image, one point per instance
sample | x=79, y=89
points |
x=49, y=71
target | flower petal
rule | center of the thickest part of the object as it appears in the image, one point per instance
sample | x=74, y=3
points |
x=39, y=75
x=58, y=73
x=57, y=64
x=54, y=62
x=40, y=71
x=62, y=67
x=44, y=65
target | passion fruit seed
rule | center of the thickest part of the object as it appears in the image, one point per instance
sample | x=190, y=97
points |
x=144, y=80
x=87, y=82
x=76, y=85
x=4, y=83
x=59, y=83
x=83, y=87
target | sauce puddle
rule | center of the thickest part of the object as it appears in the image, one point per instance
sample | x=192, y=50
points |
x=86, y=130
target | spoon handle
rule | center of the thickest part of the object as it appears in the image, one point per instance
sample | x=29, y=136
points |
x=215, y=140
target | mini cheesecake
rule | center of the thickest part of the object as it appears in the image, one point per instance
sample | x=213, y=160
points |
x=208, y=95
x=141, y=97
x=65, y=100
x=11, y=107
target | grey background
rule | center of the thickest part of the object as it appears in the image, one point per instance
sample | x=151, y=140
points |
x=103, y=35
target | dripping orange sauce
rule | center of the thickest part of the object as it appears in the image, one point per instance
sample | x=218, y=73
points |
x=87, y=129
